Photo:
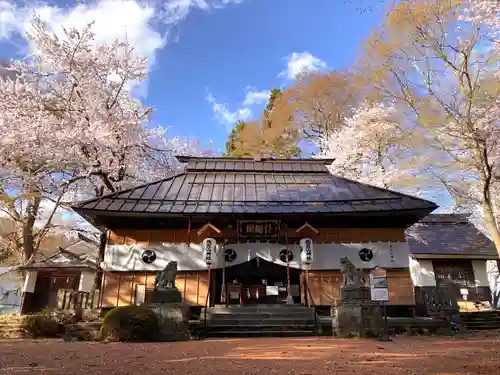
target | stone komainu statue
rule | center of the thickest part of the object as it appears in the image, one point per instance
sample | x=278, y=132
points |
x=166, y=278
x=351, y=275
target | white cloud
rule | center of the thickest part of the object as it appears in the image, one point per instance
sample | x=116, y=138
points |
x=113, y=19
x=175, y=11
x=137, y=20
x=7, y=19
x=225, y=116
x=255, y=97
x=301, y=62
x=243, y=112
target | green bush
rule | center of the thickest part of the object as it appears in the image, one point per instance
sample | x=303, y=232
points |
x=42, y=325
x=130, y=323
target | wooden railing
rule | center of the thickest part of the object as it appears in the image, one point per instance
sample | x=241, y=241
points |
x=71, y=299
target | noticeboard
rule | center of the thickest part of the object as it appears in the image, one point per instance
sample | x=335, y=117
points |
x=378, y=285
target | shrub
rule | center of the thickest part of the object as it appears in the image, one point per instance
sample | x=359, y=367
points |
x=130, y=323
x=42, y=325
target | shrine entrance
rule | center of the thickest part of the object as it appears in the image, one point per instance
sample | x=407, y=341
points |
x=256, y=281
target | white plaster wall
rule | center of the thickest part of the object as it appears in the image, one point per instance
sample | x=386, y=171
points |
x=493, y=274
x=30, y=282
x=326, y=256
x=86, y=281
x=422, y=272
x=11, y=282
x=480, y=273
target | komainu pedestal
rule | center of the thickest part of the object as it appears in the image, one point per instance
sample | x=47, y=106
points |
x=165, y=300
x=356, y=314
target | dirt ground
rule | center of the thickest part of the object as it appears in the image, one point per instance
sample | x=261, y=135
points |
x=404, y=355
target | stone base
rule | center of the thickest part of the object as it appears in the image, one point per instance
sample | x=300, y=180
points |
x=174, y=320
x=163, y=296
x=363, y=319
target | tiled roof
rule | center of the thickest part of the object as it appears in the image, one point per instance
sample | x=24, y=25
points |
x=64, y=259
x=232, y=185
x=449, y=234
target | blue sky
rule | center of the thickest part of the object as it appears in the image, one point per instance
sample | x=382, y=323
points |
x=212, y=61
x=245, y=47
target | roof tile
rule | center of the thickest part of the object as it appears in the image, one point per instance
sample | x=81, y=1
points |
x=449, y=235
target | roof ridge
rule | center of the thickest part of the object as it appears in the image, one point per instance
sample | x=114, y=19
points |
x=186, y=159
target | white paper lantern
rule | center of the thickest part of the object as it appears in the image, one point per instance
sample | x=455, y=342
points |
x=208, y=246
x=307, y=254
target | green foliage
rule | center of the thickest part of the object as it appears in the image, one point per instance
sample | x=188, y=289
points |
x=276, y=94
x=130, y=323
x=233, y=144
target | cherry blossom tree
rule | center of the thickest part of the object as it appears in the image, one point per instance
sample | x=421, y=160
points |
x=438, y=61
x=365, y=148
x=373, y=147
x=71, y=127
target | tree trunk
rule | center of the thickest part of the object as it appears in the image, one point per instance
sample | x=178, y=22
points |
x=491, y=224
x=100, y=259
x=31, y=214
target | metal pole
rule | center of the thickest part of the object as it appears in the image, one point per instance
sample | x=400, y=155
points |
x=207, y=299
x=307, y=287
x=223, y=288
x=289, y=298
x=386, y=327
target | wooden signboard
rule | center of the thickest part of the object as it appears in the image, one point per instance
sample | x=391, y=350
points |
x=258, y=229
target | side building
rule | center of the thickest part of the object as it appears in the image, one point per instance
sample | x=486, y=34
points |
x=256, y=213
x=448, y=250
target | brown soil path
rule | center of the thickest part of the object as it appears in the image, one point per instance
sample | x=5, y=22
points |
x=404, y=355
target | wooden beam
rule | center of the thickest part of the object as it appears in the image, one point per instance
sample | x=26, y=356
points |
x=307, y=225
x=208, y=226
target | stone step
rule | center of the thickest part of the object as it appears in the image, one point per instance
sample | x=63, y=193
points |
x=479, y=317
x=243, y=318
x=260, y=333
x=479, y=321
x=238, y=316
x=483, y=327
x=249, y=310
x=260, y=306
x=260, y=323
x=480, y=314
x=258, y=320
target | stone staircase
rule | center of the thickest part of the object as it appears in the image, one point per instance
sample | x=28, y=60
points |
x=258, y=320
x=481, y=320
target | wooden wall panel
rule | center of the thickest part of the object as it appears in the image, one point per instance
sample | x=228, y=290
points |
x=326, y=235
x=119, y=287
x=401, y=289
x=325, y=287
x=191, y=295
x=125, y=290
x=110, y=289
x=202, y=288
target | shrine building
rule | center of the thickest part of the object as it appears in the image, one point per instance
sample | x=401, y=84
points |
x=244, y=231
